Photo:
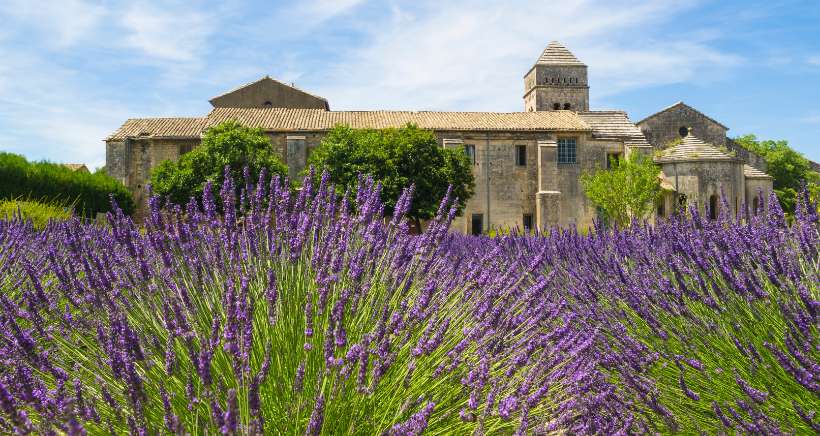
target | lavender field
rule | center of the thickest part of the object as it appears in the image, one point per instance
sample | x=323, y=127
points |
x=306, y=313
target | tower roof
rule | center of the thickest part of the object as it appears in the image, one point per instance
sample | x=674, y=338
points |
x=557, y=54
x=692, y=148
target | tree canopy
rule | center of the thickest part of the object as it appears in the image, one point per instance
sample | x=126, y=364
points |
x=789, y=169
x=628, y=190
x=228, y=143
x=397, y=158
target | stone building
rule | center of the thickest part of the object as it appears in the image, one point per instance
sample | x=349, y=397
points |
x=527, y=165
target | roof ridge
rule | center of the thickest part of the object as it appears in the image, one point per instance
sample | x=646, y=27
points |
x=557, y=54
x=681, y=103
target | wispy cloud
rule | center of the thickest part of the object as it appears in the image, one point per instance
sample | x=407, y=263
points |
x=464, y=55
x=167, y=34
x=814, y=60
x=61, y=24
x=811, y=119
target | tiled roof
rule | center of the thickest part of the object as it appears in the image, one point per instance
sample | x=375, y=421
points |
x=614, y=125
x=285, y=119
x=751, y=172
x=160, y=127
x=692, y=149
x=557, y=54
x=678, y=104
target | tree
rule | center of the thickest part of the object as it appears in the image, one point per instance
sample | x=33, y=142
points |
x=628, y=190
x=397, y=158
x=789, y=169
x=228, y=143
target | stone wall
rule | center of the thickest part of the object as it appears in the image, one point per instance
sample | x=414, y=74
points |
x=269, y=93
x=699, y=181
x=547, y=85
x=662, y=128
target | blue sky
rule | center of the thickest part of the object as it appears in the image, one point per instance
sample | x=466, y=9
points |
x=72, y=71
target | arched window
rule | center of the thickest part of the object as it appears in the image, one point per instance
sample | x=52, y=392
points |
x=566, y=106
x=755, y=206
x=556, y=106
x=713, y=207
x=682, y=201
x=683, y=131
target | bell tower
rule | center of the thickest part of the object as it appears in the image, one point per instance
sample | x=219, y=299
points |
x=557, y=81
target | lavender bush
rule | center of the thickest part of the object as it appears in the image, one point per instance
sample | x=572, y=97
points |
x=262, y=310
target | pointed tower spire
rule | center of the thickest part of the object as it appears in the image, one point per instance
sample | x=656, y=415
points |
x=557, y=81
x=557, y=54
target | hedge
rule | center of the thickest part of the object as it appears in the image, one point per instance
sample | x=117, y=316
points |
x=50, y=182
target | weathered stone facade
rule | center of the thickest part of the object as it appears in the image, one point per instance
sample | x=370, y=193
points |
x=527, y=165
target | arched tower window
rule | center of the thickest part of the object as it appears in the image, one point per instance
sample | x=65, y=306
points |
x=566, y=106
x=683, y=131
x=755, y=206
x=556, y=106
x=713, y=206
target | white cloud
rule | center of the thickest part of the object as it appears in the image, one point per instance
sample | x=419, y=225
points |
x=462, y=55
x=63, y=23
x=811, y=119
x=167, y=34
x=317, y=11
x=814, y=60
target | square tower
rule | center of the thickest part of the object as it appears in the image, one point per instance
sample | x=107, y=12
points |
x=557, y=81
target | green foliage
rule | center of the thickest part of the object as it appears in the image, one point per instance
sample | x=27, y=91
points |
x=789, y=169
x=629, y=190
x=228, y=143
x=50, y=182
x=38, y=213
x=396, y=158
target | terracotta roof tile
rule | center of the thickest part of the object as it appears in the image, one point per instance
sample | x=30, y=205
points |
x=614, y=125
x=557, y=54
x=751, y=172
x=283, y=119
x=692, y=149
x=160, y=127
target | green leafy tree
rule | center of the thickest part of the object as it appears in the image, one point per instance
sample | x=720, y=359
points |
x=396, y=158
x=789, y=169
x=228, y=143
x=628, y=190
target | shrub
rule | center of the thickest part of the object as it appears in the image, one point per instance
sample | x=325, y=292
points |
x=49, y=182
x=39, y=214
x=228, y=143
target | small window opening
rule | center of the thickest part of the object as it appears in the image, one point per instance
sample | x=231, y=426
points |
x=267, y=104
x=527, y=222
x=612, y=160
x=470, y=150
x=566, y=106
x=477, y=224
x=683, y=131
x=682, y=200
x=713, y=207
x=755, y=206
x=556, y=106
x=521, y=155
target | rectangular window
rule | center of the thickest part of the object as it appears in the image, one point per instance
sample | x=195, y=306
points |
x=527, y=222
x=612, y=160
x=566, y=151
x=470, y=150
x=185, y=148
x=477, y=224
x=521, y=155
